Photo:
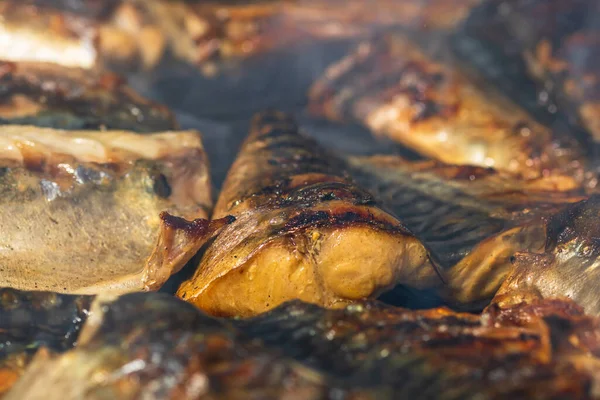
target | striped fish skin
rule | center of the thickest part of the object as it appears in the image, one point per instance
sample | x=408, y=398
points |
x=30, y=320
x=521, y=351
x=472, y=220
x=53, y=96
x=558, y=47
x=569, y=265
x=300, y=220
x=154, y=346
x=88, y=211
x=397, y=90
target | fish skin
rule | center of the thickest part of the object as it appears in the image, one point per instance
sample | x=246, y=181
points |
x=89, y=212
x=154, y=346
x=545, y=349
x=472, y=220
x=397, y=90
x=31, y=320
x=294, y=202
x=568, y=267
x=53, y=96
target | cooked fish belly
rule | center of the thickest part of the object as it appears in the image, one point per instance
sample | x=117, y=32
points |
x=30, y=320
x=471, y=219
x=154, y=346
x=399, y=92
x=303, y=230
x=569, y=265
x=53, y=96
x=547, y=349
x=88, y=212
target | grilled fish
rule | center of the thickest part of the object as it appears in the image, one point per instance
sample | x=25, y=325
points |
x=154, y=346
x=557, y=43
x=52, y=96
x=85, y=212
x=30, y=320
x=133, y=34
x=150, y=345
x=302, y=230
x=471, y=219
x=398, y=91
x=569, y=265
x=547, y=349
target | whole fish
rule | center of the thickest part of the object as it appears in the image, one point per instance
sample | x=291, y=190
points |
x=30, y=320
x=398, y=91
x=154, y=346
x=88, y=212
x=53, y=96
x=472, y=220
x=568, y=267
x=303, y=230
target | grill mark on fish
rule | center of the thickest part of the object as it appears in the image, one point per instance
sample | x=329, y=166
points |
x=302, y=210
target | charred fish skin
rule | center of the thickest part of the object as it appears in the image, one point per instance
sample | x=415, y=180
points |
x=471, y=219
x=86, y=211
x=438, y=353
x=556, y=46
x=30, y=320
x=52, y=96
x=394, y=88
x=155, y=346
x=569, y=265
x=299, y=220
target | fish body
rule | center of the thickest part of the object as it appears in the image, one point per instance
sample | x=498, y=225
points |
x=87, y=212
x=397, y=90
x=300, y=220
x=151, y=345
x=568, y=266
x=53, y=96
x=154, y=346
